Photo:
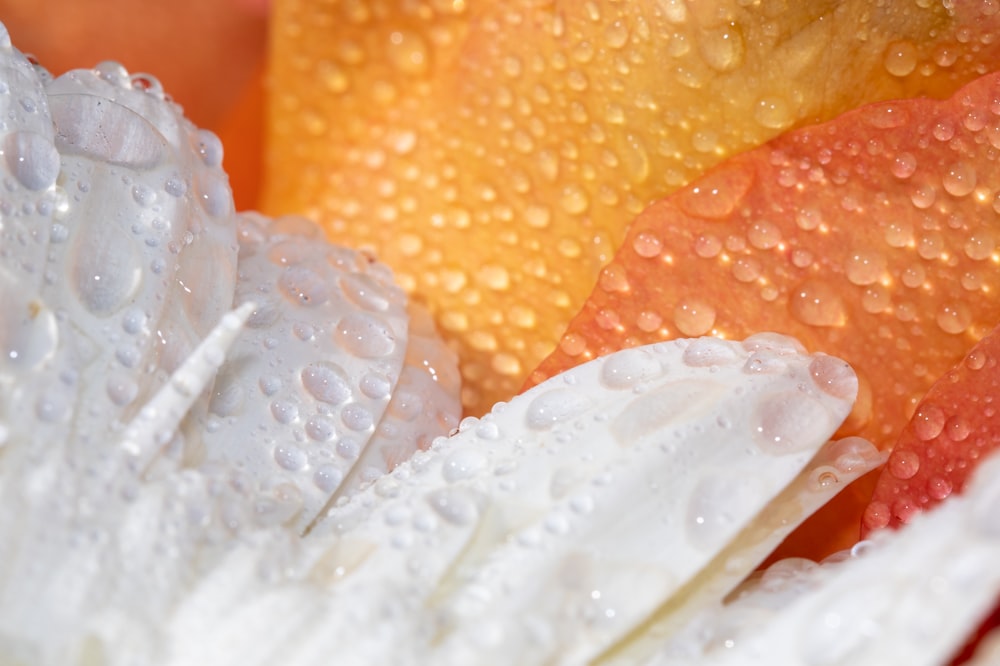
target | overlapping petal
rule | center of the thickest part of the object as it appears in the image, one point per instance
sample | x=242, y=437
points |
x=493, y=153
x=873, y=236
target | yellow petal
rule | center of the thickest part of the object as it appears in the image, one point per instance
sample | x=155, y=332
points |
x=492, y=153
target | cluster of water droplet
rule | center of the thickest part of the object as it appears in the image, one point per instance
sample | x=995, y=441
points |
x=129, y=466
x=530, y=511
x=541, y=130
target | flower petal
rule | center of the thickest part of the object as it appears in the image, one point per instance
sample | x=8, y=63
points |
x=909, y=596
x=493, y=153
x=873, y=237
x=952, y=431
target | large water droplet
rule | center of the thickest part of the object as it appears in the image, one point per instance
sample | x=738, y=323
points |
x=554, y=406
x=105, y=269
x=694, y=316
x=327, y=382
x=928, y=422
x=365, y=336
x=408, y=52
x=302, y=286
x=463, y=464
x=628, y=368
x=789, y=422
x=455, y=505
x=32, y=159
x=817, y=303
x=900, y=58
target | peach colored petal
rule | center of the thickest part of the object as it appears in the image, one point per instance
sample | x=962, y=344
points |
x=875, y=237
x=493, y=152
x=203, y=51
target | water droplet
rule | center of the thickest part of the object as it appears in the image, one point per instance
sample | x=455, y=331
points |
x=614, y=279
x=723, y=49
x=122, y=389
x=32, y=159
x=903, y=165
x=408, y=52
x=928, y=422
x=463, y=464
x=864, y=266
x=628, y=368
x=554, y=406
x=957, y=429
x=365, y=336
x=955, y=318
x=357, y=417
x=284, y=412
x=939, y=487
x=455, y=505
x=694, y=317
x=302, y=286
x=959, y=179
x=716, y=196
x=773, y=112
x=328, y=478
x=105, y=268
x=616, y=34
x=834, y=376
x=647, y=244
x=290, y=457
x=764, y=235
x=326, y=382
x=790, y=422
x=574, y=200
x=903, y=464
x=209, y=147
x=900, y=58
x=980, y=244
x=707, y=246
x=817, y=303
x=537, y=216
x=213, y=192
x=705, y=352
x=320, y=428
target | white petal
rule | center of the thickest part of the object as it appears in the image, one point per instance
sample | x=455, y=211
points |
x=906, y=597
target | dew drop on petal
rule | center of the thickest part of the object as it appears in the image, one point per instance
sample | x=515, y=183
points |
x=900, y=58
x=628, y=368
x=788, y=422
x=817, y=303
x=32, y=159
x=834, y=376
x=365, y=336
x=554, y=406
x=694, y=317
x=903, y=464
x=928, y=422
x=954, y=318
x=326, y=382
x=904, y=165
x=864, y=266
x=959, y=179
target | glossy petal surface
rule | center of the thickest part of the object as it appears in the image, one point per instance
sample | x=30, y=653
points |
x=874, y=236
x=493, y=153
x=955, y=426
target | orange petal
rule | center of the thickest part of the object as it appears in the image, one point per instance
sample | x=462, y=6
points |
x=954, y=427
x=874, y=237
x=203, y=53
x=493, y=152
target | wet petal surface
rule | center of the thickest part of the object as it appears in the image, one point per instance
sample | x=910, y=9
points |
x=493, y=153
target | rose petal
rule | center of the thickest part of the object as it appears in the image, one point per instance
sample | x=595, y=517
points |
x=493, y=154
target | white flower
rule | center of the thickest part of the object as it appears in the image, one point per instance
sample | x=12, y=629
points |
x=208, y=432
